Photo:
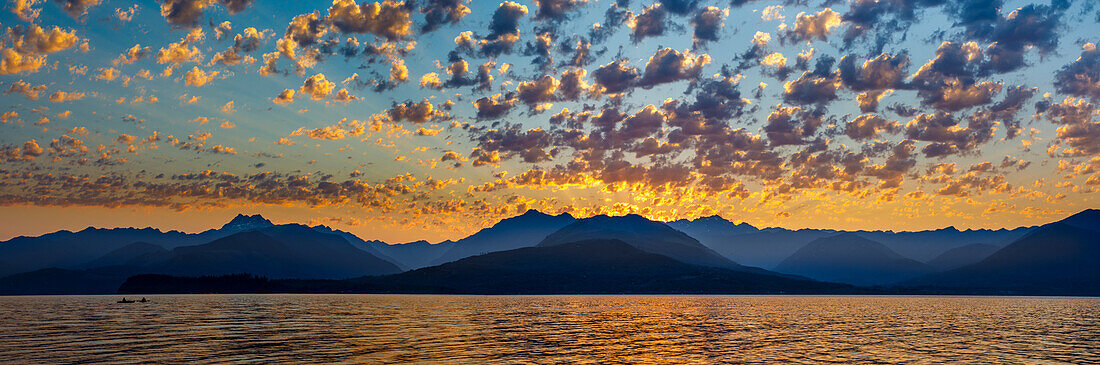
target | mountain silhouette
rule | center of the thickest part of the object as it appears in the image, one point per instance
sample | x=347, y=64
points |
x=769, y=246
x=1088, y=219
x=277, y=252
x=926, y=245
x=412, y=255
x=713, y=231
x=850, y=258
x=520, y=231
x=54, y=281
x=134, y=254
x=962, y=256
x=1055, y=259
x=585, y=267
x=643, y=234
x=242, y=223
x=66, y=249
x=372, y=247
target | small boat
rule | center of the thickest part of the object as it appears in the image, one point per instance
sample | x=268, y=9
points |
x=125, y=301
x=143, y=300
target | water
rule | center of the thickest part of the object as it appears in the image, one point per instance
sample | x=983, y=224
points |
x=548, y=329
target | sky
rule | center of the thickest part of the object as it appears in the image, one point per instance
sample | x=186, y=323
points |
x=431, y=119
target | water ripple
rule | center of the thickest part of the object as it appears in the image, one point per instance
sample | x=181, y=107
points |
x=549, y=329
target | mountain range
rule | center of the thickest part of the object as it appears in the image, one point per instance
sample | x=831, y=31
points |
x=599, y=254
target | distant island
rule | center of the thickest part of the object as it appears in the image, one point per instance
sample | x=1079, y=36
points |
x=537, y=253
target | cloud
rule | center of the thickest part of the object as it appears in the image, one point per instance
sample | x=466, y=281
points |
x=26, y=89
x=869, y=126
x=414, y=112
x=25, y=9
x=184, y=50
x=494, y=106
x=247, y=41
x=884, y=71
x=187, y=13
x=945, y=135
x=442, y=12
x=62, y=96
x=76, y=8
x=198, y=77
x=539, y=91
x=811, y=88
x=650, y=23
x=284, y=97
x=615, y=77
x=556, y=9
x=317, y=87
x=792, y=125
x=1078, y=130
x=669, y=65
x=388, y=19
x=813, y=26
x=25, y=47
x=1082, y=76
x=708, y=22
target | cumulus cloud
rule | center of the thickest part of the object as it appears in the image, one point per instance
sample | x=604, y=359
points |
x=388, y=19
x=869, y=126
x=183, y=51
x=199, y=77
x=556, y=9
x=442, y=12
x=811, y=88
x=1078, y=129
x=62, y=96
x=708, y=22
x=284, y=97
x=539, y=91
x=808, y=27
x=1082, y=76
x=494, y=106
x=669, y=65
x=188, y=13
x=615, y=77
x=25, y=47
x=652, y=22
x=76, y=8
x=317, y=87
x=414, y=112
x=26, y=89
x=792, y=125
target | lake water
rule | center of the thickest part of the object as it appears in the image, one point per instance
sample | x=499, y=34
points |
x=548, y=329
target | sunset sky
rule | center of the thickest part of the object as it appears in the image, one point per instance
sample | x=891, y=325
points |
x=431, y=119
